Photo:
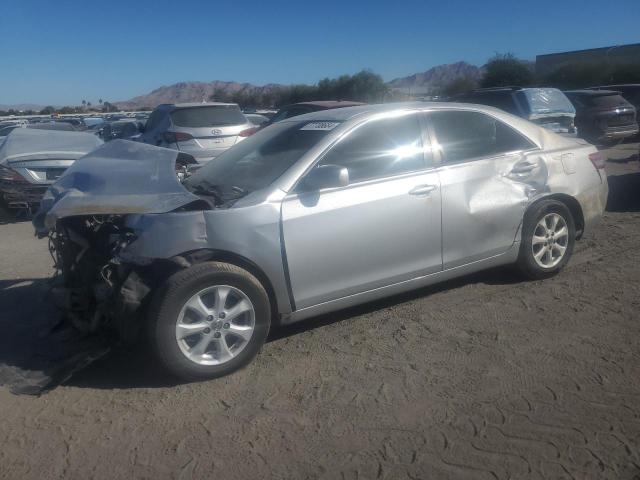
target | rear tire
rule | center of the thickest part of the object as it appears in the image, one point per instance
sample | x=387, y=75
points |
x=209, y=320
x=548, y=239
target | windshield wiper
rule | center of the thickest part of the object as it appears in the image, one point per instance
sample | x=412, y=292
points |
x=239, y=190
x=208, y=189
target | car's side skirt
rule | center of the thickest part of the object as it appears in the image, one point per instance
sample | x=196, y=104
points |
x=510, y=256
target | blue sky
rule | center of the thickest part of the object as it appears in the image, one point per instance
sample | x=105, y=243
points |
x=61, y=51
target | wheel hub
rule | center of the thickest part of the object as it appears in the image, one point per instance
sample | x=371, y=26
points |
x=550, y=240
x=215, y=325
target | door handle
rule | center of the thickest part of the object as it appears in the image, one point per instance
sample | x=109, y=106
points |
x=422, y=190
x=524, y=167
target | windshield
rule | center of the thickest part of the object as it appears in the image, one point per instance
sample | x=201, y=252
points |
x=545, y=100
x=210, y=116
x=259, y=160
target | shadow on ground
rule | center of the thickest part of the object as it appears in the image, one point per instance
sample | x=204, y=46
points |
x=37, y=350
x=134, y=366
x=8, y=216
x=624, y=193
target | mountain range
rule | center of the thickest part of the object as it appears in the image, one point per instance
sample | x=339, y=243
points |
x=441, y=75
x=418, y=83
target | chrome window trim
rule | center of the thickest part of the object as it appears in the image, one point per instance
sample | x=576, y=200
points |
x=372, y=181
x=438, y=154
x=490, y=157
x=379, y=117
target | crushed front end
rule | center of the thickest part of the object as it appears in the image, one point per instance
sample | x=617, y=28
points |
x=93, y=287
x=84, y=216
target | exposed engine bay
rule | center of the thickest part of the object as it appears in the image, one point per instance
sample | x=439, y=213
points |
x=91, y=278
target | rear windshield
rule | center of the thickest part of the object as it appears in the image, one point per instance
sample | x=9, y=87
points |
x=259, y=160
x=603, y=101
x=212, y=116
x=545, y=100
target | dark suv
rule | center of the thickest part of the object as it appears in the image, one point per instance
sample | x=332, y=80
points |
x=547, y=107
x=603, y=115
x=630, y=92
x=301, y=108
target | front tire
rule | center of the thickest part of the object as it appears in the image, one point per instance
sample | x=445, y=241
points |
x=209, y=320
x=548, y=239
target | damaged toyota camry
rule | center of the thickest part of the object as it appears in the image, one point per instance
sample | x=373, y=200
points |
x=310, y=215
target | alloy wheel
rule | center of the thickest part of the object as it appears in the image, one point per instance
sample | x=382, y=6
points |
x=550, y=240
x=215, y=325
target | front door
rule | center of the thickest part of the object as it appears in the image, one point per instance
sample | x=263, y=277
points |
x=383, y=228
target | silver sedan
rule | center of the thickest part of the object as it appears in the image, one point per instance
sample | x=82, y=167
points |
x=311, y=215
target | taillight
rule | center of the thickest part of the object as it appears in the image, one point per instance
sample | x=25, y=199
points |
x=174, y=137
x=10, y=175
x=248, y=132
x=598, y=160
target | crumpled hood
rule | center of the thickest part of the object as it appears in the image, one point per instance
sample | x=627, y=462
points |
x=121, y=177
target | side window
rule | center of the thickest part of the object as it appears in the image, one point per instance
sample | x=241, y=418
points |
x=380, y=148
x=470, y=135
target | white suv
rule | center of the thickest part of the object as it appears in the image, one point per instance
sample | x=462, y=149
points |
x=203, y=130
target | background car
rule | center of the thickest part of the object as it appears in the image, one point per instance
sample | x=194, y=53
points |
x=92, y=122
x=547, y=107
x=257, y=119
x=32, y=159
x=301, y=108
x=630, y=92
x=125, y=129
x=203, y=130
x=48, y=125
x=603, y=115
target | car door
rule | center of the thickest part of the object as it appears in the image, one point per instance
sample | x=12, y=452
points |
x=382, y=228
x=486, y=171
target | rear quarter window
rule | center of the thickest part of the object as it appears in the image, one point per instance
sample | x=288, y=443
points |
x=212, y=116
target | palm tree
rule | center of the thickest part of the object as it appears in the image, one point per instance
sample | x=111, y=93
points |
x=84, y=102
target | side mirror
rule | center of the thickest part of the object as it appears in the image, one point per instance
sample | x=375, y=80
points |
x=326, y=176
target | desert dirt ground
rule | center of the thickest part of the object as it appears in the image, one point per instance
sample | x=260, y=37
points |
x=483, y=377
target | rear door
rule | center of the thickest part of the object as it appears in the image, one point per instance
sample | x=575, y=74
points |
x=486, y=170
x=205, y=132
x=383, y=228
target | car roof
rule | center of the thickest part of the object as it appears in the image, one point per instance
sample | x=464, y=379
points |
x=332, y=103
x=592, y=93
x=347, y=113
x=195, y=104
x=636, y=85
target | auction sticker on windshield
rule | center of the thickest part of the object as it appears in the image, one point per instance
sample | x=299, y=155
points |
x=324, y=126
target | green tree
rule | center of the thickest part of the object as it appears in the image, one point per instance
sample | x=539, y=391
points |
x=504, y=70
x=459, y=85
x=48, y=110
